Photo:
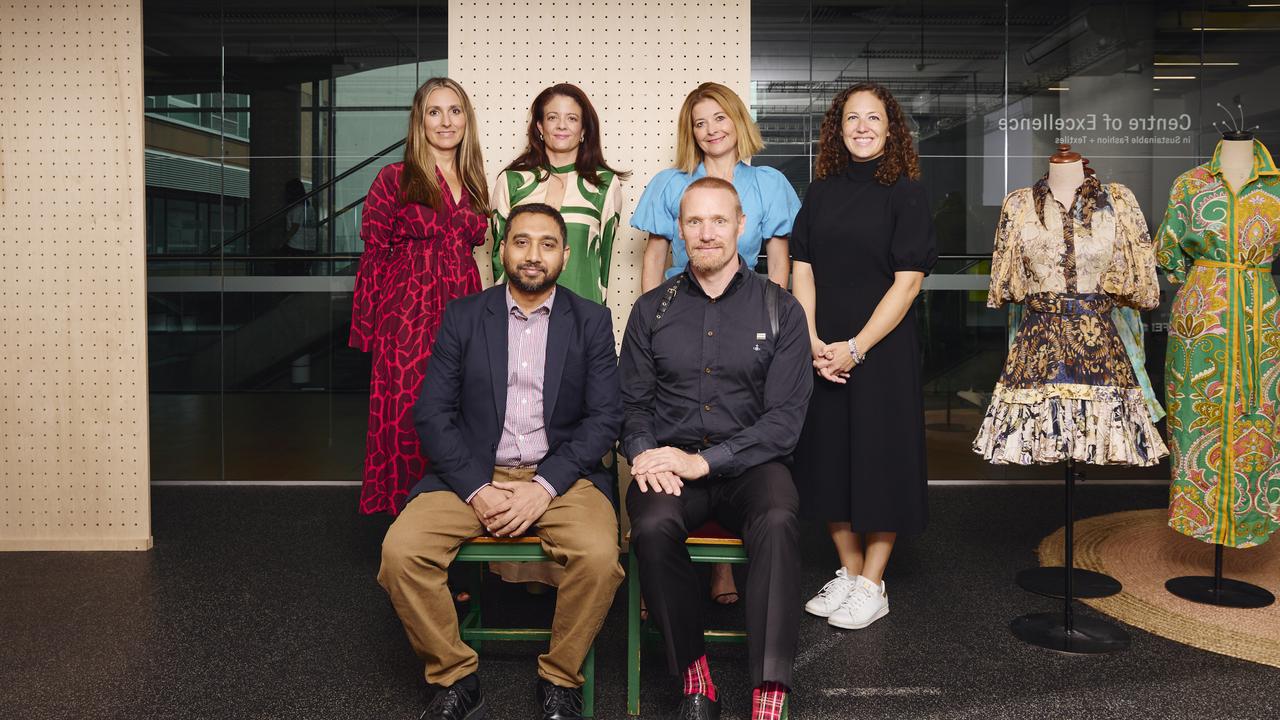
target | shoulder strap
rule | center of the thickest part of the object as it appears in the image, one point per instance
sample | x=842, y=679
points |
x=673, y=289
x=771, y=290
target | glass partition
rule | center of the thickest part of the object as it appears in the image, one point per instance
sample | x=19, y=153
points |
x=266, y=122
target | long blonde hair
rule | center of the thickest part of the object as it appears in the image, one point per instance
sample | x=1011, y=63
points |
x=688, y=154
x=419, y=184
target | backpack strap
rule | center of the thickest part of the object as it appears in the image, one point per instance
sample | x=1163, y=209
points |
x=771, y=292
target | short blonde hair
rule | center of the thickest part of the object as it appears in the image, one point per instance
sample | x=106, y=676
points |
x=712, y=183
x=688, y=154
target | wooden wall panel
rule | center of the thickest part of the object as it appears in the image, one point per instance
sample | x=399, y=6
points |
x=636, y=61
x=73, y=373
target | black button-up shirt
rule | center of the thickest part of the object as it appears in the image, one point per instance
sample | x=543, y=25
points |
x=709, y=376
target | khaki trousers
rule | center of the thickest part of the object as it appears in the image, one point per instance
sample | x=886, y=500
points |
x=579, y=531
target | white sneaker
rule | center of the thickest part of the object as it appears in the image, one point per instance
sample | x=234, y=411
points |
x=865, y=605
x=831, y=595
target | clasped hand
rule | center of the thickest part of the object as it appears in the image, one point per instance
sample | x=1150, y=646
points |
x=507, y=509
x=832, y=361
x=666, y=469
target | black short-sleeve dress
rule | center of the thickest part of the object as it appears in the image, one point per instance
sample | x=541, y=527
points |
x=861, y=457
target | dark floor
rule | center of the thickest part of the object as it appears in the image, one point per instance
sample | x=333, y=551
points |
x=262, y=603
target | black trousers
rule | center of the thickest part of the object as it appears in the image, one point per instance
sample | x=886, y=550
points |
x=760, y=506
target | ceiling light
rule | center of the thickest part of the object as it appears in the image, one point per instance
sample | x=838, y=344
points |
x=1196, y=64
x=1173, y=77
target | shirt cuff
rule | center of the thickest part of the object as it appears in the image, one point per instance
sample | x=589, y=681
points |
x=477, y=492
x=638, y=443
x=545, y=485
x=717, y=458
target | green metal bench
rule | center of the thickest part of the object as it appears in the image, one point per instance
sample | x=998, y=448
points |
x=522, y=549
x=708, y=544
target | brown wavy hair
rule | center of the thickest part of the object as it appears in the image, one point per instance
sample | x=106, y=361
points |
x=418, y=182
x=590, y=158
x=899, y=158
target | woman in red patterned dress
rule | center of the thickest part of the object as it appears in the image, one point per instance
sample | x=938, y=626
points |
x=421, y=219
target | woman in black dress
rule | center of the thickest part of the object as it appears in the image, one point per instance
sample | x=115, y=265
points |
x=861, y=246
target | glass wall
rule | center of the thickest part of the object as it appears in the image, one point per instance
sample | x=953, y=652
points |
x=265, y=125
x=991, y=88
x=267, y=121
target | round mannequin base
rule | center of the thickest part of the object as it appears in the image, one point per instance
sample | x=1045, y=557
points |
x=1231, y=593
x=1088, y=636
x=1051, y=582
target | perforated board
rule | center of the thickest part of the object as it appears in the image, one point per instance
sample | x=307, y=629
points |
x=635, y=60
x=73, y=374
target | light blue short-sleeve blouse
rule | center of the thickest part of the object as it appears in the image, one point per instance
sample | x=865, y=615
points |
x=768, y=200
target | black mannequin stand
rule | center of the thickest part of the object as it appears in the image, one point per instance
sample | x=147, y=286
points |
x=1051, y=581
x=1217, y=590
x=1064, y=631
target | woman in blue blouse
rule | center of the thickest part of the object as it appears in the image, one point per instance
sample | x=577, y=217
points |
x=715, y=137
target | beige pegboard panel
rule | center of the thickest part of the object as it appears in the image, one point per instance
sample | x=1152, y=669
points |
x=635, y=60
x=73, y=373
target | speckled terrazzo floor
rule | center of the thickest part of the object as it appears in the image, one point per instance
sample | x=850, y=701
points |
x=261, y=603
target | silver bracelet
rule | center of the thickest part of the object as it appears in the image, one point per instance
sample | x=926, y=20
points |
x=858, y=357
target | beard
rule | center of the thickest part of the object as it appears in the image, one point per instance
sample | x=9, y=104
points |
x=549, y=277
x=709, y=264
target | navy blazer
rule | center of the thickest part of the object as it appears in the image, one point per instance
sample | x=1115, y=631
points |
x=460, y=410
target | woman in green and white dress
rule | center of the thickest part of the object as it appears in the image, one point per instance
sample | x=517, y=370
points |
x=563, y=166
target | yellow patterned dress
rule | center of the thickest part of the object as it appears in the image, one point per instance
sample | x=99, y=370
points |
x=1223, y=363
x=1068, y=390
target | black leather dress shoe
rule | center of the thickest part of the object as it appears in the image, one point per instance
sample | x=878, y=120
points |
x=559, y=703
x=455, y=703
x=697, y=707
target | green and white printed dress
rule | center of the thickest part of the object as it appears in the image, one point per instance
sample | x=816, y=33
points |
x=591, y=216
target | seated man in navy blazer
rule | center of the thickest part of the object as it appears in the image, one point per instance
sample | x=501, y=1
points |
x=519, y=405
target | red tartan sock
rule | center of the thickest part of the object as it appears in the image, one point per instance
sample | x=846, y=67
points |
x=766, y=701
x=697, y=679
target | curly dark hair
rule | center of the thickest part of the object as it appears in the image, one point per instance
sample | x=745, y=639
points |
x=899, y=156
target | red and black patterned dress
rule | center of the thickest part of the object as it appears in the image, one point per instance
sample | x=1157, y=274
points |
x=415, y=261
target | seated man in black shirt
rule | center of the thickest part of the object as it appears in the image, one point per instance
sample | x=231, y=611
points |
x=716, y=377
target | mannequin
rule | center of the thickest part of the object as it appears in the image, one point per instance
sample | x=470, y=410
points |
x=1069, y=250
x=1221, y=261
x=1237, y=160
x=1066, y=175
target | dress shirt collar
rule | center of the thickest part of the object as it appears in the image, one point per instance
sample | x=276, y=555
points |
x=514, y=309
x=738, y=169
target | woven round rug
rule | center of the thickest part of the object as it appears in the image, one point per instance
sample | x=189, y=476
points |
x=1138, y=549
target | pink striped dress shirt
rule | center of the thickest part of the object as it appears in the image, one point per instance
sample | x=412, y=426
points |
x=524, y=432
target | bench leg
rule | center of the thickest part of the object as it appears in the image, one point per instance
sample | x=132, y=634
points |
x=589, y=684
x=475, y=576
x=633, y=634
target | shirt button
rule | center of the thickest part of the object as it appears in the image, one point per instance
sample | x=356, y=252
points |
x=520, y=438
x=710, y=333
x=713, y=301
x=707, y=408
x=706, y=370
x=524, y=364
x=524, y=402
x=528, y=331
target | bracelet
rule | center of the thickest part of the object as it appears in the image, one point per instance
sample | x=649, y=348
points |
x=858, y=357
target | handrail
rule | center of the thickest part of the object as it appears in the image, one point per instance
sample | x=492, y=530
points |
x=214, y=251
x=340, y=213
